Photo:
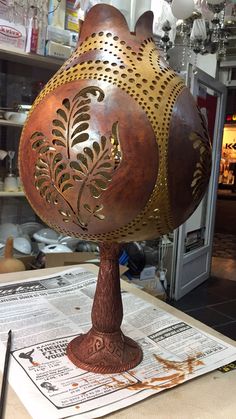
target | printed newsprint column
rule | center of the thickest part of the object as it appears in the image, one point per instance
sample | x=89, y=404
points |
x=46, y=313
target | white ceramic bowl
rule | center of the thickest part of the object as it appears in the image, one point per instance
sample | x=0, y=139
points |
x=8, y=115
x=46, y=235
x=56, y=248
x=18, y=117
x=69, y=241
x=22, y=245
x=31, y=227
x=9, y=229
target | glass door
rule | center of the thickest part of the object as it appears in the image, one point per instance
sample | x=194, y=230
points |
x=193, y=240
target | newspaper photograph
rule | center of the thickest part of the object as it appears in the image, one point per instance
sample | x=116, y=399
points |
x=46, y=313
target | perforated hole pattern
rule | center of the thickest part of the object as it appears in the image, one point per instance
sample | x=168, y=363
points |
x=155, y=87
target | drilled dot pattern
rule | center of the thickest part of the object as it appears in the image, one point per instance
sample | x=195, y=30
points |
x=155, y=87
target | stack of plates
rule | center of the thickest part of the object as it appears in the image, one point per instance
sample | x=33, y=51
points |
x=46, y=235
x=31, y=227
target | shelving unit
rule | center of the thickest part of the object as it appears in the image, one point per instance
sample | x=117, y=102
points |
x=4, y=122
x=17, y=56
x=11, y=194
x=17, y=65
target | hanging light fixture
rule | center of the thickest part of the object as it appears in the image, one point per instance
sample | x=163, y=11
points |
x=200, y=26
x=182, y=9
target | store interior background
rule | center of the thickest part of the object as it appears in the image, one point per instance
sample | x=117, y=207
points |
x=212, y=301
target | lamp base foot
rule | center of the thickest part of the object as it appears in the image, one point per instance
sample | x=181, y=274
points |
x=104, y=353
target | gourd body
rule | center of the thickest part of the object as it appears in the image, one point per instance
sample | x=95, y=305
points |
x=115, y=148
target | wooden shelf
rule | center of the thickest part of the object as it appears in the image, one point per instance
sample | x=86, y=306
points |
x=11, y=194
x=4, y=122
x=31, y=59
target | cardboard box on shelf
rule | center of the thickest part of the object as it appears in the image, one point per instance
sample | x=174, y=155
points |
x=28, y=261
x=53, y=260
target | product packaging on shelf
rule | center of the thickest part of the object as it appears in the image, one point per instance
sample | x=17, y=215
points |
x=12, y=35
x=32, y=33
x=53, y=49
x=56, y=13
x=73, y=39
x=41, y=40
x=61, y=36
x=72, y=16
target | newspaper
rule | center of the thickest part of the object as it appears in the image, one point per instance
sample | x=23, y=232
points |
x=46, y=313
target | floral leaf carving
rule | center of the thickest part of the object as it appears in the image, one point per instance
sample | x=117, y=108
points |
x=43, y=181
x=93, y=168
x=40, y=143
x=81, y=116
x=55, y=172
x=52, y=178
x=71, y=124
x=93, y=90
x=116, y=150
x=59, y=130
x=95, y=211
x=60, y=174
x=63, y=115
x=90, y=168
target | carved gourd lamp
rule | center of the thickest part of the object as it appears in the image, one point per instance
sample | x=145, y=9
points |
x=114, y=150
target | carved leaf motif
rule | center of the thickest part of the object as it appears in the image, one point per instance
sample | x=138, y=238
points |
x=93, y=90
x=40, y=143
x=60, y=123
x=81, y=113
x=95, y=211
x=62, y=114
x=79, y=123
x=43, y=179
x=93, y=168
x=72, y=121
x=51, y=176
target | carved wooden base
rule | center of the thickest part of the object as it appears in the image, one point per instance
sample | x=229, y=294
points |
x=104, y=352
x=104, y=349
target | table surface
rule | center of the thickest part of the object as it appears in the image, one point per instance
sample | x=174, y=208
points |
x=210, y=396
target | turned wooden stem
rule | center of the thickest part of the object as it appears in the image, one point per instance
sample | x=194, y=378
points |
x=107, y=311
x=104, y=348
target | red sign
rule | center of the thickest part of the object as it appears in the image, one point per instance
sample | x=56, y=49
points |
x=10, y=32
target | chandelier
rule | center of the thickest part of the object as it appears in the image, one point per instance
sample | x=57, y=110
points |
x=200, y=28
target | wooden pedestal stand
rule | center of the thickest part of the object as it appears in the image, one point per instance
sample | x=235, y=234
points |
x=104, y=349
